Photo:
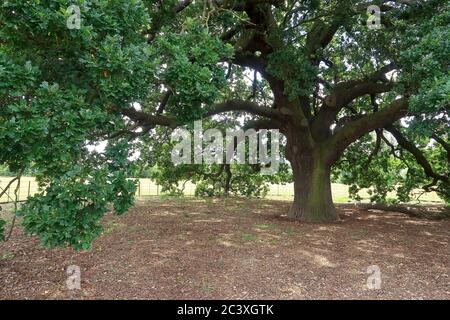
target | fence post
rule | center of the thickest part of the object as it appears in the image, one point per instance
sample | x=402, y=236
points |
x=139, y=188
x=29, y=187
x=157, y=189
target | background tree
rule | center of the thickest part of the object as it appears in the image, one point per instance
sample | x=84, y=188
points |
x=210, y=179
x=317, y=73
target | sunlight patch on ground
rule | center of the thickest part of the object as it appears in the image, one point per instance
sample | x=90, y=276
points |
x=318, y=259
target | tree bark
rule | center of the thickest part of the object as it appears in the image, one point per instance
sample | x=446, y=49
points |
x=313, y=201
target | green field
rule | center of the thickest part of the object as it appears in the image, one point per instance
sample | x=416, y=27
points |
x=147, y=187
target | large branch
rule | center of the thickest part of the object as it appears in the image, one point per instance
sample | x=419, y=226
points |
x=149, y=120
x=322, y=32
x=346, y=92
x=418, y=155
x=343, y=96
x=180, y=6
x=320, y=36
x=246, y=106
x=443, y=143
x=146, y=119
x=261, y=124
x=356, y=129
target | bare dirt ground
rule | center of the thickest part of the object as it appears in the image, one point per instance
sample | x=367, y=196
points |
x=237, y=249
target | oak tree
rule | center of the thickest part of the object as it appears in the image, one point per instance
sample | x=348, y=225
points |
x=338, y=88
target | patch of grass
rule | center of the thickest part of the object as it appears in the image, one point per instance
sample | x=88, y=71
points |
x=266, y=226
x=7, y=255
x=114, y=270
x=148, y=188
x=112, y=226
x=207, y=288
x=289, y=232
x=249, y=237
x=133, y=229
x=341, y=199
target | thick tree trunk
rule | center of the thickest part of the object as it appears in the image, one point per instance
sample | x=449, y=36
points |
x=313, y=200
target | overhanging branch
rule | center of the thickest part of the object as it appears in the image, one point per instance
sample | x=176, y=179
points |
x=180, y=6
x=144, y=118
x=443, y=143
x=418, y=155
x=344, y=93
x=357, y=128
x=246, y=106
x=149, y=120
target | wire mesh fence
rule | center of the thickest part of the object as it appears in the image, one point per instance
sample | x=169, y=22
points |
x=145, y=188
x=28, y=187
x=148, y=188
